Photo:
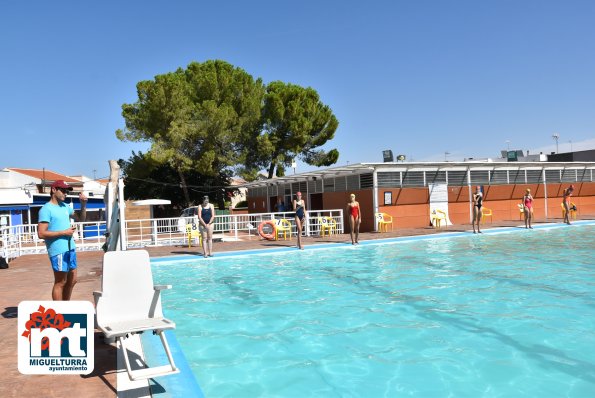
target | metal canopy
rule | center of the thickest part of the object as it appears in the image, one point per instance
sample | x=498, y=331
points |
x=361, y=168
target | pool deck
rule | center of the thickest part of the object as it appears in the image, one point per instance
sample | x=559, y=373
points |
x=29, y=278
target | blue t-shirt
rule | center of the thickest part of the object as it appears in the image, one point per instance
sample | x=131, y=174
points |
x=58, y=219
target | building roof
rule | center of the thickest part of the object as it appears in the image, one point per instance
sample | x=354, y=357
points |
x=46, y=175
x=362, y=168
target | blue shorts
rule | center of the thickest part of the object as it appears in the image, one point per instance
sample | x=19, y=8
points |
x=64, y=262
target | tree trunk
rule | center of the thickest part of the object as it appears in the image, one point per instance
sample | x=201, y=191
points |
x=272, y=170
x=184, y=187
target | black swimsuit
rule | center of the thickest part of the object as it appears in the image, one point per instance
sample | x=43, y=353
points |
x=479, y=200
x=299, y=211
x=206, y=214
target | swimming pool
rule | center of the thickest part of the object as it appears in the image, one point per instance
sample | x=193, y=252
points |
x=509, y=314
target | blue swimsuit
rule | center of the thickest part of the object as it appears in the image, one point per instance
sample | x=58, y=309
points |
x=299, y=210
x=206, y=214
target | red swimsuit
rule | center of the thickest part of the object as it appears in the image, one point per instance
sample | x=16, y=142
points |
x=354, y=210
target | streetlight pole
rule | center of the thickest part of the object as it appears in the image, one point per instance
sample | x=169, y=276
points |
x=556, y=136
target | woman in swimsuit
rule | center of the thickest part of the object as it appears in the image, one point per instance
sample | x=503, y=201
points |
x=299, y=205
x=206, y=218
x=527, y=204
x=566, y=203
x=355, y=218
x=477, y=212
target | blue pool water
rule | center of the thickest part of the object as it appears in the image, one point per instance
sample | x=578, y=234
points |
x=498, y=315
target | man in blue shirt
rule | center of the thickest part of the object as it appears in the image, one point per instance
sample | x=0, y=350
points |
x=54, y=227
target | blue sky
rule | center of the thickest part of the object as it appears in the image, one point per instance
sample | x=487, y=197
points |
x=420, y=77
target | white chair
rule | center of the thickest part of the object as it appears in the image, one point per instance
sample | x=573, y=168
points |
x=130, y=304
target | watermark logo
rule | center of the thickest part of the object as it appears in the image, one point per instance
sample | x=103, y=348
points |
x=56, y=337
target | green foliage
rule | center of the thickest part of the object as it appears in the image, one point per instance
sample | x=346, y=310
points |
x=295, y=124
x=215, y=119
x=145, y=178
x=242, y=204
x=195, y=119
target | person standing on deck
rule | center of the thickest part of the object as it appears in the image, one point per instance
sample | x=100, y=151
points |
x=56, y=230
x=299, y=206
x=355, y=218
x=566, y=203
x=527, y=204
x=477, y=205
x=206, y=218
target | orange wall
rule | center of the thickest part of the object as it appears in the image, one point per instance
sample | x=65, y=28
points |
x=410, y=206
x=339, y=200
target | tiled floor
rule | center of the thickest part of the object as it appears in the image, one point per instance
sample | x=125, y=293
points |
x=30, y=278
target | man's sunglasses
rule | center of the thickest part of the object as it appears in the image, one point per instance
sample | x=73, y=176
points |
x=63, y=190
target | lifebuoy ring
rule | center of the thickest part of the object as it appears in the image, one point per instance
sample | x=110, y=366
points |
x=267, y=229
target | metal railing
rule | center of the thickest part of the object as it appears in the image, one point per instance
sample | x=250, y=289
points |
x=19, y=240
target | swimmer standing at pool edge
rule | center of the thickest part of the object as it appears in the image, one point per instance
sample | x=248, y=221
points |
x=299, y=206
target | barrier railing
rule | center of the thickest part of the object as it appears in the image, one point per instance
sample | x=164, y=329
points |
x=21, y=240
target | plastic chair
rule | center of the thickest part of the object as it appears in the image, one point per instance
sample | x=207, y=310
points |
x=282, y=226
x=437, y=217
x=384, y=220
x=522, y=211
x=327, y=225
x=486, y=213
x=192, y=231
x=125, y=308
x=572, y=211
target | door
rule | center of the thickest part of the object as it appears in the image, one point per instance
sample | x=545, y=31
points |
x=315, y=202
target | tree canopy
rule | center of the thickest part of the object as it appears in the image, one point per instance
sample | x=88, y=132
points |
x=196, y=119
x=216, y=120
x=295, y=124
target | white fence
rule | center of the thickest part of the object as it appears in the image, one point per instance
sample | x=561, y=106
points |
x=20, y=240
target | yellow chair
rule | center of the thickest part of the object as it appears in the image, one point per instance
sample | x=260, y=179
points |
x=522, y=211
x=192, y=231
x=327, y=225
x=572, y=212
x=486, y=213
x=384, y=220
x=282, y=226
x=437, y=217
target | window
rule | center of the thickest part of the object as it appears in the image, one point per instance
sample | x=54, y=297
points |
x=480, y=177
x=568, y=176
x=552, y=176
x=457, y=178
x=413, y=179
x=498, y=177
x=435, y=177
x=534, y=176
x=366, y=180
x=391, y=179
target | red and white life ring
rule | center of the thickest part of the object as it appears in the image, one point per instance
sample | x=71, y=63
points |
x=266, y=229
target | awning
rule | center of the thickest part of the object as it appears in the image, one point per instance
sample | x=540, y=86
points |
x=92, y=203
x=14, y=207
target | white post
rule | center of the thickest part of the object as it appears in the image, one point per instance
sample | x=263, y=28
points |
x=154, y=230
x=375, y=198
x=470, y=196
x=109, y=203
x=122, y=206
x=235, y=224
x=544, y=192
